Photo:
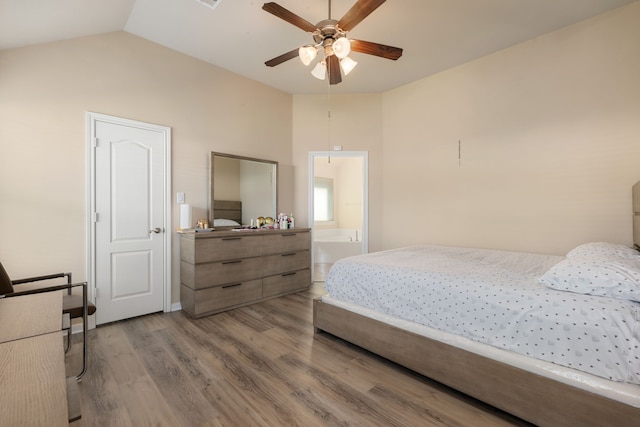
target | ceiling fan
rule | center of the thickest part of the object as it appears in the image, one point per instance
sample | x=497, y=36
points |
x=330, y=37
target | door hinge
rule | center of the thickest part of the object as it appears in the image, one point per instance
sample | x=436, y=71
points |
x=96, y=142
x=95, y=217
x=95, y=292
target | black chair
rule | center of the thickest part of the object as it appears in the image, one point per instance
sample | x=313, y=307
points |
x=73, y=306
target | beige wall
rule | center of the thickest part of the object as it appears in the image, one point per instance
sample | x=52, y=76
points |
x=227, y=183
x=549, y=129
x=350, y=193
x=45, y=92
x=549, y=133
x=550, y=144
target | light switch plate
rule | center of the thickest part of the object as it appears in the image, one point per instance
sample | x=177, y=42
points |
x=180, y=197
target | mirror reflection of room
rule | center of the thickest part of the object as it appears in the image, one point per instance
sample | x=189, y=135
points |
x=249, y=181
x=337, y=211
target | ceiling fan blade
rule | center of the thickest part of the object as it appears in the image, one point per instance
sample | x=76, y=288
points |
x=282, y=58
x=290, y=17
x=333, y=68
x=358, y=12
x=382, y=50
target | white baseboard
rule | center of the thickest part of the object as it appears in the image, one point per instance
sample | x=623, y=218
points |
x=77, y=327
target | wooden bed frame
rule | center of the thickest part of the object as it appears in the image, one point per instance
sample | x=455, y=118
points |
x=532, y=397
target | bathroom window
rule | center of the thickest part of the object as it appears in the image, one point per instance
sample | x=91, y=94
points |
x=322, y=199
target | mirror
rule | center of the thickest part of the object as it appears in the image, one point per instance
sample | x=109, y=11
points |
x=233, y=179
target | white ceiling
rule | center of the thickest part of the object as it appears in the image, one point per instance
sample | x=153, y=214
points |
x=239, y=36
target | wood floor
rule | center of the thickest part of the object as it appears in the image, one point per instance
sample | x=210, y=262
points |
x=259, y=365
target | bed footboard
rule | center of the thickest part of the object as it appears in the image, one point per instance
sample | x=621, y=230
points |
x=534, y=398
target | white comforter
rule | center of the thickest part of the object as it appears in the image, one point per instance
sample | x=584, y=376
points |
x=494, y=297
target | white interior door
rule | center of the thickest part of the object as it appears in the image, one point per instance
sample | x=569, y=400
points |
x=130, y=221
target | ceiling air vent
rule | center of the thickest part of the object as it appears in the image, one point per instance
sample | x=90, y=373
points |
x=210, y=3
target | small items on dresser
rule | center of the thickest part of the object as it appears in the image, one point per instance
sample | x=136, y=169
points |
x=285, y=222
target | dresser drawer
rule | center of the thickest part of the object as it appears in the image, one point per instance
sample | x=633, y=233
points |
x=227, y=248
x=284, y=263
x=287, y=282
x=226, y=296
x=219, y=273
x=286, y=242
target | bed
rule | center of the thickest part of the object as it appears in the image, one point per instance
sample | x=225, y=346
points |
x=459, y=333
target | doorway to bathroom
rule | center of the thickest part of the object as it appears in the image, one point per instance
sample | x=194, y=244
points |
x=338, y=207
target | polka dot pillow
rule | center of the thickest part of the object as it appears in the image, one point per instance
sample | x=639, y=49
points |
x=595, y=250
x=613, y=278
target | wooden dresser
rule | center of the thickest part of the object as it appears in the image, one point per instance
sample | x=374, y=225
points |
x=220, y=270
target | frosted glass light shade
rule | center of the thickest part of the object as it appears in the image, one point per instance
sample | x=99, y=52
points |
x=320, y=70
x=347, y=65
x=341, y=47
x=307, y=53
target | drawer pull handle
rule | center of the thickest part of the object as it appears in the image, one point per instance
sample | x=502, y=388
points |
x=232, y=238
x=231, y=262
x=289, y=274
x=231, y=286
x=291, y=254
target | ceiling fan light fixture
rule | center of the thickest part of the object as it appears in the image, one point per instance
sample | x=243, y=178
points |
x=320, y=70
x=307, y=54
x=330, y=35
x=341, y=47
x=347, y=65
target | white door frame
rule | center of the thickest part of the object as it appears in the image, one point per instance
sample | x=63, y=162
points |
x=92, y=118
x=364, y=155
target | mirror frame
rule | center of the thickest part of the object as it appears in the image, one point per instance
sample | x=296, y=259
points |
x=212, y=157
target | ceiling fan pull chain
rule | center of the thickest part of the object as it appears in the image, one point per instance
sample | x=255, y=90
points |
x=329, y=116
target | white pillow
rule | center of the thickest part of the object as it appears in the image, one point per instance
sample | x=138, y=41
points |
x=613, y=278
x=220, y=222
x=597, y=250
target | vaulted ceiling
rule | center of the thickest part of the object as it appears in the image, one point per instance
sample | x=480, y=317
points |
x=239, y=36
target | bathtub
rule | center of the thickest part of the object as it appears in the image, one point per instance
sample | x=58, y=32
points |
x=330, y=245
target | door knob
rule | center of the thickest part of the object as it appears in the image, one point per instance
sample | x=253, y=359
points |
x=155, y=230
